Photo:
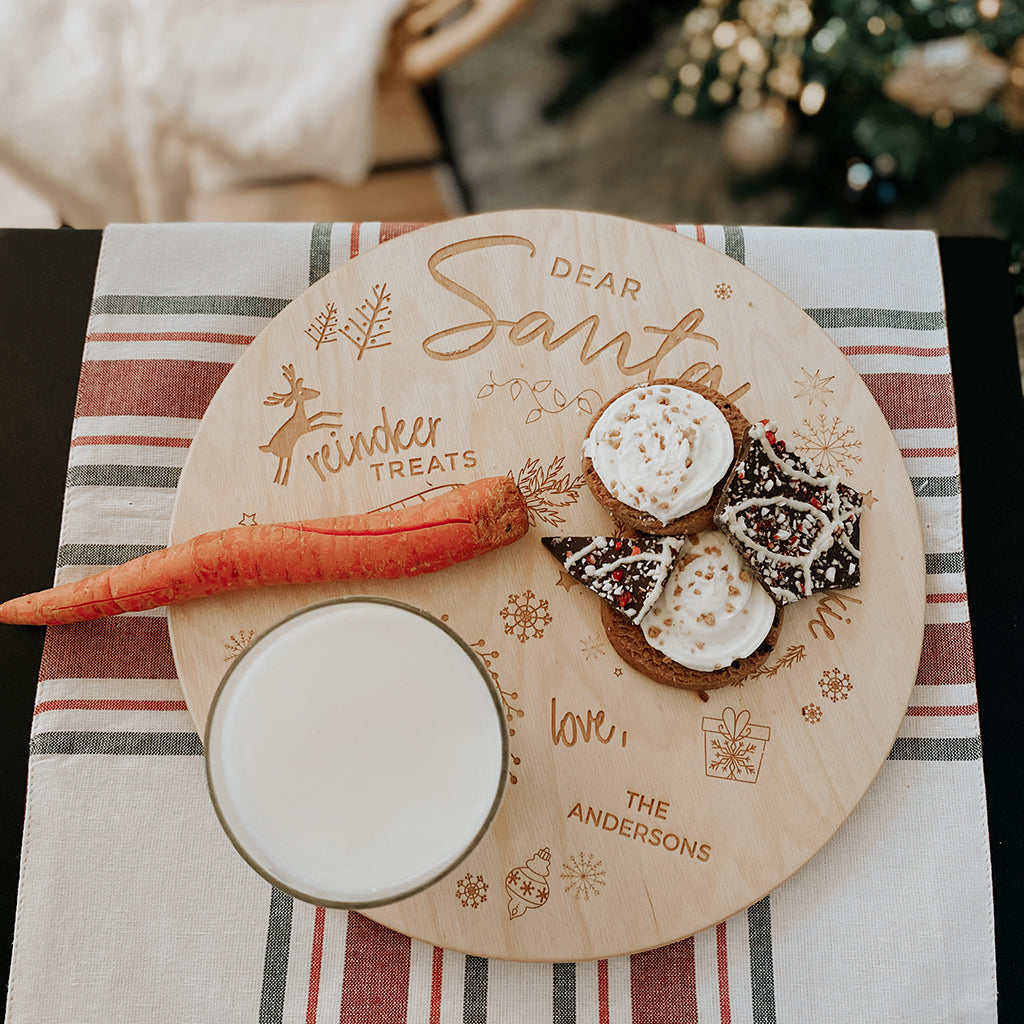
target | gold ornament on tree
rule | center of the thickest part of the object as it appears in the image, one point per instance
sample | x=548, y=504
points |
x=947, y=78
x=753, y=62
x=756, y=141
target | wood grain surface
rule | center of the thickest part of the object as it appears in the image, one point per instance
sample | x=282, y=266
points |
x=636, y=814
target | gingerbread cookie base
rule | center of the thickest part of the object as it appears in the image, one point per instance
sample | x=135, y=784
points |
x=693, y=522
x=631, y=645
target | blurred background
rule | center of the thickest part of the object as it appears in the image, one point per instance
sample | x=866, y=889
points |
x=862, y=113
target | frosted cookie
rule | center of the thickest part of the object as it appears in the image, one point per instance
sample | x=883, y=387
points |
x=628, y=573
x=712, y=624
x=657, y=455
x=797, y=529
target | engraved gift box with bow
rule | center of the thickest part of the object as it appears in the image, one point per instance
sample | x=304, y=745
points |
x=733, y=747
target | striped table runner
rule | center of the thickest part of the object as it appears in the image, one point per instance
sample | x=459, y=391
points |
x=134, y=907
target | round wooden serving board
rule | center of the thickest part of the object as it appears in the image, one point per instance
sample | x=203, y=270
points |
x=636, y=814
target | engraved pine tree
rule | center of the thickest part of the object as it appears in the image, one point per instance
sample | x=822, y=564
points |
x=367, y=324
x=325, y=327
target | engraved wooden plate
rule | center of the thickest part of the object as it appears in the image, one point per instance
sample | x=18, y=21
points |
x=636, y=813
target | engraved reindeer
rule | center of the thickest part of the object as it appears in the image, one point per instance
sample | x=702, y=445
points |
x=282, y=444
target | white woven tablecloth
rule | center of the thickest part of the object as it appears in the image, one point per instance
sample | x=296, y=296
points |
x=134, y=906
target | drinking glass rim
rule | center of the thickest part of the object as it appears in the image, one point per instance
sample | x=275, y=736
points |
x=485, y=825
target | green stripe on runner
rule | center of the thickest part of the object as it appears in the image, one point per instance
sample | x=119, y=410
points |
x=150, y=744
x=939, y=562
x=936, y=748
x=275, y=959
x=474, y=994
x=188, y=305
x=935, y=486
x=102, y=554
x=319, y=252
x=734, y=244
x=123, y=476
x=563, y=993
x=900, y=319
x=762, y=969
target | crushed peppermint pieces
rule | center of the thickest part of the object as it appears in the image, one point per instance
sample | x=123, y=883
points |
x=797, y=529
x=628, y=573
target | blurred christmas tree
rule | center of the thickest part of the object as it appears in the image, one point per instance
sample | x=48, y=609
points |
x=855, y=107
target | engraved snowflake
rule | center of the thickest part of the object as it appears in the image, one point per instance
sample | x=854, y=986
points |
x=813, y=387
x=723, y=291
x=237, y=644
x=736, y=757
x=525, y=616
x=471, y=890
x=829, y=444
x=583, y=876
x=812, y=713
x=592, y=647
x=835, y=685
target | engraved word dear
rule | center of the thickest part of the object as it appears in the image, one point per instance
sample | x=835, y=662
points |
x=537, y=326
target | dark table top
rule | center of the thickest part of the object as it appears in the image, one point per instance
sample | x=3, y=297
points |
x=46, y=280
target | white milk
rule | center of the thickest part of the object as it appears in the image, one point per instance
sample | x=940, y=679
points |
x=356, y=752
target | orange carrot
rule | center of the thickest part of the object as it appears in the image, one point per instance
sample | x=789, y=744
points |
x=457, y=525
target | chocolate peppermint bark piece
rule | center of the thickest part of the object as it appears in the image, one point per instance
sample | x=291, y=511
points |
x=628, y=573
x=797, y=529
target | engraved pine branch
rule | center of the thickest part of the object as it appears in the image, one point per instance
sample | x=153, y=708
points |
x=547, y=490
x=366, y=326
x=325, y=327
x=791, y=657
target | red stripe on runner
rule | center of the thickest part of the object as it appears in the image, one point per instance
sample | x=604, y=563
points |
x=148, y=387
x=132, y=647
x=942, y=710
x=701, y=237
x=389, y=231
x=109, y=705
x=929, y=453
x=353, y=242
x=148, y=442
x=947, y=654
x=722, y=953
x=211, y=336
x=891, y=350
x=912, y=401
x=663, y=985
x=603, y=1013
x=436, y=974
x=376, y=980
x=316, y=957
x=945, y=598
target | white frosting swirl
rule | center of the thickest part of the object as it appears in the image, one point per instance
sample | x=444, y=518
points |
x=661, y=449
x=712, y=610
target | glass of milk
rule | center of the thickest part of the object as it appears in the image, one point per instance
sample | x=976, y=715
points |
x=356, y=752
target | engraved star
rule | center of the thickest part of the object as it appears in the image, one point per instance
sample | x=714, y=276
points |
x=869, y=500
x=565, y=581
x=618, y=671
x=813, y=387
x=248, y=519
